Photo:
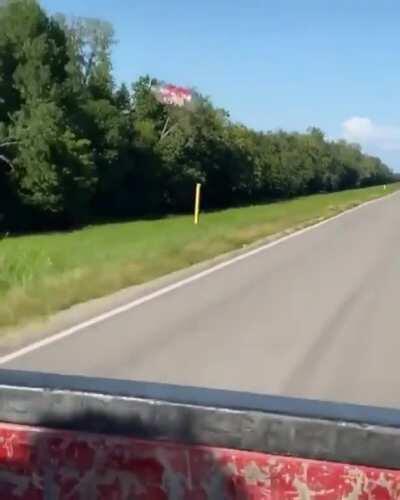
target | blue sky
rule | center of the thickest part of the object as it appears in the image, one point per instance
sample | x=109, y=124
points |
x=271, y=63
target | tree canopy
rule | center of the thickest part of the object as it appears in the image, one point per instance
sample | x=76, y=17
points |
x=74, y=145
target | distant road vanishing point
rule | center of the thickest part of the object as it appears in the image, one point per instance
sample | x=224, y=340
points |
x=317, y=315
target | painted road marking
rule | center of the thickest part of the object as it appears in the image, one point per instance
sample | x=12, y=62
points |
x=174, y=286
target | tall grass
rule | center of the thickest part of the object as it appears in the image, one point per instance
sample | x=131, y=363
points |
x=41, y=274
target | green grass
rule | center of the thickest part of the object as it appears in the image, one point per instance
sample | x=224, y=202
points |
x=41, y=274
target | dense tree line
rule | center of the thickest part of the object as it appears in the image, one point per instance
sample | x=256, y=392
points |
x=74, y=145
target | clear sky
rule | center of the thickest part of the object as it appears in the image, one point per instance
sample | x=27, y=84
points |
x=272, y=64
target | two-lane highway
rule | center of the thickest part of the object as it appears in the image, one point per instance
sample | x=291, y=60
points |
x=317, y=315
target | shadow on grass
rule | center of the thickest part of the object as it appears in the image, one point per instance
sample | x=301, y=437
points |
x=207, y=208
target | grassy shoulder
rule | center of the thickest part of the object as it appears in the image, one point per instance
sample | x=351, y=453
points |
x=42, y=274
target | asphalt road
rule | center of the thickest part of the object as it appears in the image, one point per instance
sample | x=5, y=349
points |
x=315, y=316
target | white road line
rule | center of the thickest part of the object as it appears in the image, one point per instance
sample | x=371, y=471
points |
x=174, y=286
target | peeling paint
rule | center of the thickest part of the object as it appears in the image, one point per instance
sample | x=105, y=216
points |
x=358, y=482
x=302, y=489
x=253, y=474
x=231, y=469
x=44, y=464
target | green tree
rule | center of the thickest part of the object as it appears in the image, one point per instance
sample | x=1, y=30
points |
x=122, y=99
x=74, y=145
x=52, y=170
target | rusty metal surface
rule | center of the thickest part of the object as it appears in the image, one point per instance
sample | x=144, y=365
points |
x=39, y=464
x=306, y=429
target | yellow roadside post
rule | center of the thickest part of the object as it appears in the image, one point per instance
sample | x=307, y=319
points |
x=197, y=204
